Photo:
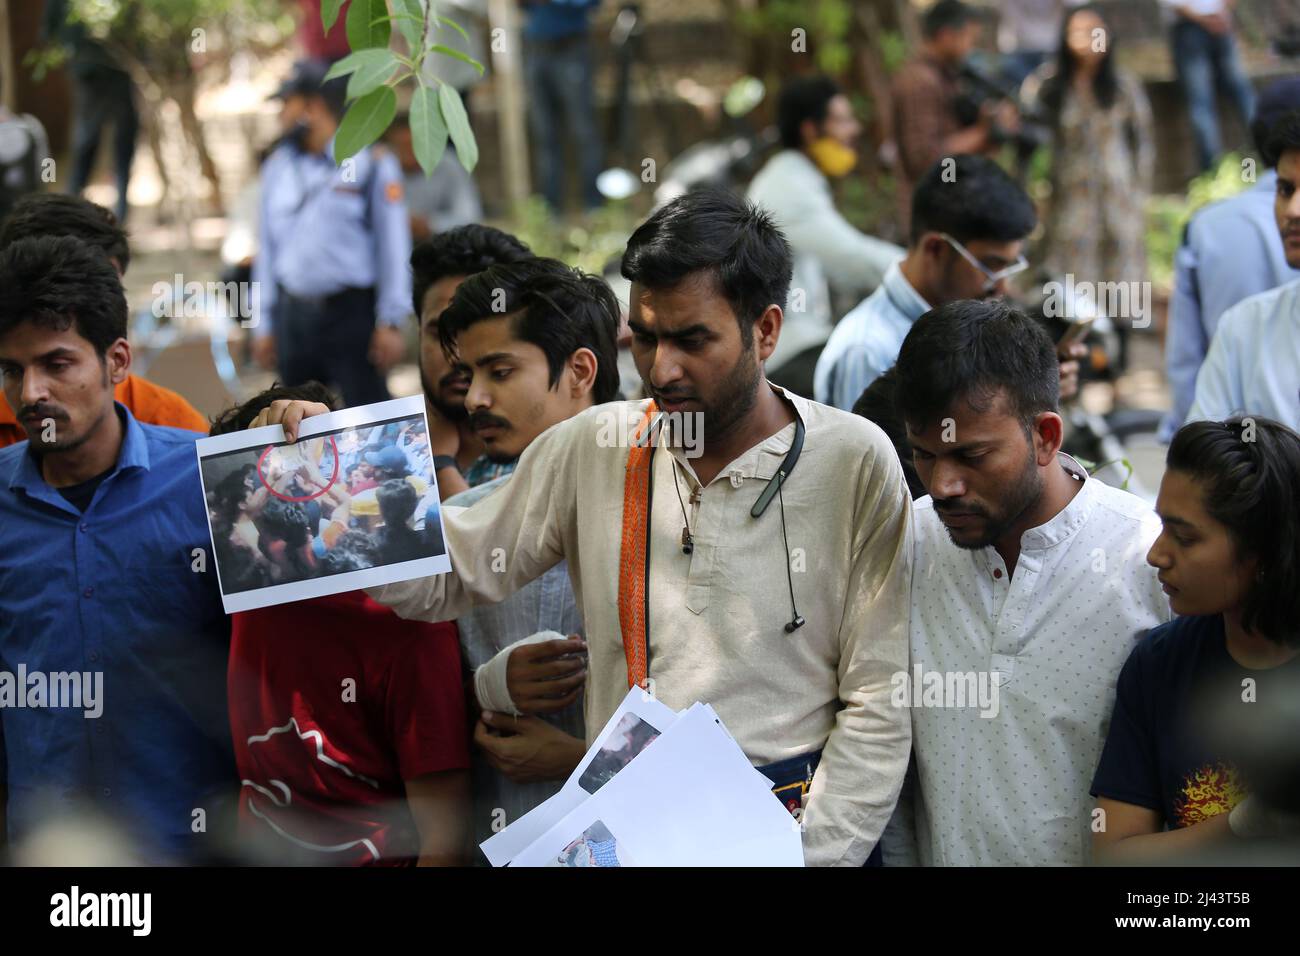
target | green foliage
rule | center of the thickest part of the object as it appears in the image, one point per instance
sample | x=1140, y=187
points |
x=375, y=72
x=826, y=24
x=601, y=237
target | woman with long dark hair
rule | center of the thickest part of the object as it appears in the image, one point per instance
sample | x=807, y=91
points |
x=1102, y=157
x=1180, y=774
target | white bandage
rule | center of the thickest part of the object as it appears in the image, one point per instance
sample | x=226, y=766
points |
x=490, y=686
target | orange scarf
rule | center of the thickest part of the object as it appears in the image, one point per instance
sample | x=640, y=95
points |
x=632, y=556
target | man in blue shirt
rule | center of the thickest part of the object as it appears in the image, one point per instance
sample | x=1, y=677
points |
x=557, y=68
x=106, y=580
x=1253, y=366
x=1229, y=253
x=969, y=223
x=333, y=245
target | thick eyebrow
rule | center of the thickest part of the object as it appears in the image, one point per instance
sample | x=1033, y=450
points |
x=59, y=352
x=953, y=447
x=495, y=357
x=690, y=330
x=1175, y=520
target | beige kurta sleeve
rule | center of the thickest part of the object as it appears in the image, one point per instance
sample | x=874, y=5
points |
x=865, y=758
x=502, y=541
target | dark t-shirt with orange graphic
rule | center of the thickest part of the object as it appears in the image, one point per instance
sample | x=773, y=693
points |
x=1179, y=697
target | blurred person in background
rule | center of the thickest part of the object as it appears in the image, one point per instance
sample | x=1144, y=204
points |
x=562, y=107
x=57, y=214
x=436, y=203
x=1027, y=34
x=103, y=94
x=832, y=260
x=1228, y=561
x=1229, y=253
x=1253, y=366
x=332, y=252
x=1103, y=155
x=928, y=122
x=1204, y=50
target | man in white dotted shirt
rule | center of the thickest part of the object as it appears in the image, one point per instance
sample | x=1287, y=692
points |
x=1029, y=589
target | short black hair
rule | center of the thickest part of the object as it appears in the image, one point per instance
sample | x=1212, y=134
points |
x=238, y=417
x=1283, y=137
x=878, y=403
x=463, y=251
x=803, y=98
x=397, y=500
x=62, y=214
x=340, y=560
x=971, y=197
x=1249, y=469
x=946, y=15
x=60, y=282
x=553, y=306
x=287, y=521
x=968, y=350
x=722, y=235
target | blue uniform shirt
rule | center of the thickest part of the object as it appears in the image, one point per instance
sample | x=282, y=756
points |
x=113, y=591
x=323, y=228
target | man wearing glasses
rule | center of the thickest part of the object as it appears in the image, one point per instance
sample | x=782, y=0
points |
x=969, y=223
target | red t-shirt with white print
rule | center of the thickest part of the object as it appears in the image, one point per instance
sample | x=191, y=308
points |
x=334, y=702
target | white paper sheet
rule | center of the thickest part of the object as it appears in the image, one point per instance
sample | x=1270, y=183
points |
x=693, y=799
x=222, y=454
x=637, y=707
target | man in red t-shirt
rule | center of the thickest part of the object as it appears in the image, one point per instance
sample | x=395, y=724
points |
x=349, y=724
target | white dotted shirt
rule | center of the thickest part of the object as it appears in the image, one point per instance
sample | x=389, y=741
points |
x=1012, y=789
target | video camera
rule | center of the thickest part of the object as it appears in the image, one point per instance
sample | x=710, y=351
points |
x=976, y=87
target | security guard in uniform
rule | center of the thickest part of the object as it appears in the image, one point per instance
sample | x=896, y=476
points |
x=334, y=244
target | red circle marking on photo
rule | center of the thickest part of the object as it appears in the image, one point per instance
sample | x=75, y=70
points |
x=267, y=485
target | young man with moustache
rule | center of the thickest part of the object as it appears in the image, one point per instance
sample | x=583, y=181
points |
x=58, y=214
x=438, y=266
x=678, y=563
x=105, y=568
x=553, y=355
x=1027, y=574
x=1253, y=366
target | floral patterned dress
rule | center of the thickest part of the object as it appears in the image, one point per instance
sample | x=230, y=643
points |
x=1101, y=175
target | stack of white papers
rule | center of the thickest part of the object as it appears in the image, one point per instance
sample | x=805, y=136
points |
x=656, y=789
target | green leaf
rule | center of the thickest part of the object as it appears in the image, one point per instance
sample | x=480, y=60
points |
x=456, y=55
x=409, y=15
x=451, y=23
x=364, y=122
x=368, y=25
x=347, y=65
x=329, y=12
x=453, y=114
x=428, y=131
x=374, y=67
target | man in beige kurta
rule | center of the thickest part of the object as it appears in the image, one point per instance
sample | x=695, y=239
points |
x=717, y=616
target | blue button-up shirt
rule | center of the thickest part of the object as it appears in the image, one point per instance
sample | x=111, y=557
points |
x=1253, y=367
x=1231, y=251
x=114, y=591
x=865, y=344
x=323, y=228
